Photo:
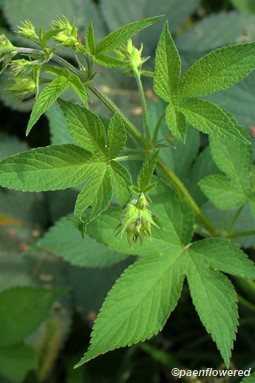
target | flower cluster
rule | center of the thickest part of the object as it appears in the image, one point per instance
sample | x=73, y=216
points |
x=137, y=220
x=66, y=34
x=131, y=56
x=27, y=30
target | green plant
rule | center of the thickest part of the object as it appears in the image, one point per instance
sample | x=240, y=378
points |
x=158, y=205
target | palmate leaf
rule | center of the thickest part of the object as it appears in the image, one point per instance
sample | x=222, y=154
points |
x=218, y=70
x=213, y=295
x=51, y=168
x=121, y=35
x=142, y=299
x=138, y=305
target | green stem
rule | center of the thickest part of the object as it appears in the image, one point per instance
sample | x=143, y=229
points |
x=137, y=75
x=131, y=128
x=130, y=157
x=240, y=234
x=235, y=219
x=246, y=303
x=156, y=131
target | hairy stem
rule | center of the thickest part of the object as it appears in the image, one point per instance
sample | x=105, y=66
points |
x=137, y=75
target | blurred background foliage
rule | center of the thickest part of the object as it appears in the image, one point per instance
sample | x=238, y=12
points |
x=44, y=259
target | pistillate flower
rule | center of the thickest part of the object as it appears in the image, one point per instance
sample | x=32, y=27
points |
x=131, y=56
x=137, y=220
x=27, y=29
x=67, y=35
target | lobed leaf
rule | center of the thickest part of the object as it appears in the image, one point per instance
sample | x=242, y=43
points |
x=138, y=305
x=218, y=70
x=121, y=35
x=51, y=168
x=167, y=67
x=46, y=98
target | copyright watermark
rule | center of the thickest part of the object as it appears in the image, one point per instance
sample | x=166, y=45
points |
x=178, y=373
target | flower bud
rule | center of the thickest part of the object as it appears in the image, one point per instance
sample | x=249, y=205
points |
x=132, y=57
x=67, y=35
x=26, y=29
